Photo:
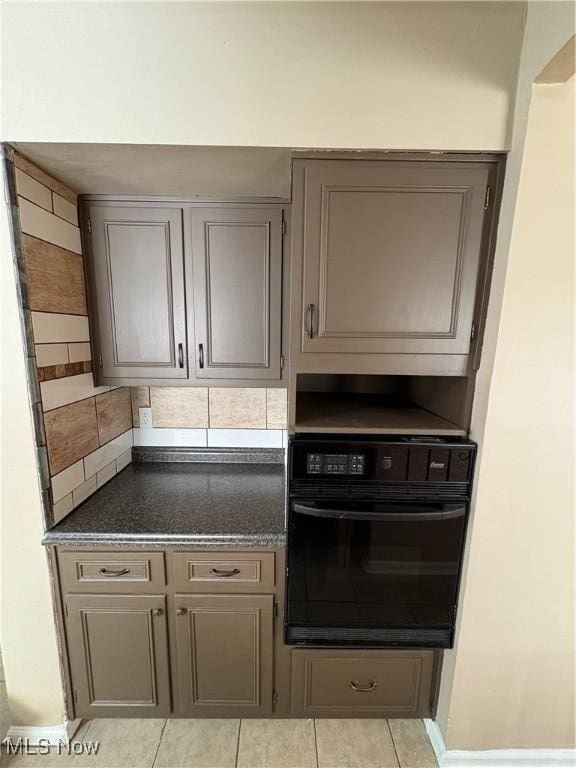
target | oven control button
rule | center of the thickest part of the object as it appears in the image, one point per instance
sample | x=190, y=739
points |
x=460, y=466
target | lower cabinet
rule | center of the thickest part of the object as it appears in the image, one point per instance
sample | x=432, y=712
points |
x=118, y=655
x=193, y=650
x=224, y=657
x=332, y=683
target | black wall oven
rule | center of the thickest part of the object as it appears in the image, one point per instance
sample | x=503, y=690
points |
x=375, y=540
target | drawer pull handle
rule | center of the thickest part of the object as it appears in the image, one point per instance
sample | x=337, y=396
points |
x=224, y=574
x=360, y=687
x=109, y=573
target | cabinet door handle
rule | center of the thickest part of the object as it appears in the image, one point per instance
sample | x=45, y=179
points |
x=360, y=687
x=180, y=612
x=310, y=321
x=224, y=574
x=112, y=574
x=180, y=356
x=157, y=612
x=201, y=355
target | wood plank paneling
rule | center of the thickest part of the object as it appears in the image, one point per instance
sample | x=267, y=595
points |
x=113, y=413
x=55, y=278
x=71, y=433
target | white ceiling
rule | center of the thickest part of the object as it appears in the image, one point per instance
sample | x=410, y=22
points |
x=180, y=171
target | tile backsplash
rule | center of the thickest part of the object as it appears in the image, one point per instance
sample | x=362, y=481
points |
x=211, y=416
x=88, y=429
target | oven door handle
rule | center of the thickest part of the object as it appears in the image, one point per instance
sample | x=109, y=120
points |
x=397, y=517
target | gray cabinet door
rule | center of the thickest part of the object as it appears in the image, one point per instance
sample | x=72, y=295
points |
x=118, y=655
x=137, y=271
x=391, y=252
x=237, y=278
x=224, y=654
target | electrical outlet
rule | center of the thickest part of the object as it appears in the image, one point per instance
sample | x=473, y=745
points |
x=145, y=416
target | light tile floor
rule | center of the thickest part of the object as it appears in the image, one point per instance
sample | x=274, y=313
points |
x=246, y=744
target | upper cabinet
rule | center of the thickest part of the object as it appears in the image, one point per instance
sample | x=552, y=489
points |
x=237, y=279
x=191, y=293
x=388, y=255
x=136, y=274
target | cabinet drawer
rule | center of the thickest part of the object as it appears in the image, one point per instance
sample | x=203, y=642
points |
x=370, y=683
x=223, y=571
x=112, y=571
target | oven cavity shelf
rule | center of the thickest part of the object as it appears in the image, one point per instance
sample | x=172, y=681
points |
x=327, y=412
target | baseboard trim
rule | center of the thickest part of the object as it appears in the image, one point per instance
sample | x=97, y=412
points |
x=496, y=758
x=35, y=735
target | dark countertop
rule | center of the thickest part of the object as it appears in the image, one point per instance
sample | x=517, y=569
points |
x=204, y=504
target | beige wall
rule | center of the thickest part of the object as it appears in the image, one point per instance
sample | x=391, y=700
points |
x=509, y=683
x=27, y=632
x=391, y=75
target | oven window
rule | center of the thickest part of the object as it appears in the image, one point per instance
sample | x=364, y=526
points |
x=389, y=565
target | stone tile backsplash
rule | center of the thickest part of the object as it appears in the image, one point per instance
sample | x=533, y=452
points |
x=88, y=429
x=212, y=407
x=242, y=408
x=179, y=407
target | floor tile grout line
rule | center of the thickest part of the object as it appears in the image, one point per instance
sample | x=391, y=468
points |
x=238, y=743
x=393, y=743
x=73, y=761
x=159, y=743
x=316, y=743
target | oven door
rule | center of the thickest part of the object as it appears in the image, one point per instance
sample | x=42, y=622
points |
x=371, y=573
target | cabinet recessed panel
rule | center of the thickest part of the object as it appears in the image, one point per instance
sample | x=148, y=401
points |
x=237, y=276
x=238, y=285
x=140, y=292
x=390, y=262
x=224, y=652
x=137, y=271
x=236, y=677
x=110, y=664
x=118, y=655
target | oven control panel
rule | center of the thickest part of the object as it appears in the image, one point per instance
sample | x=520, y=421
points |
x=409, y=460
x=335, y=464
